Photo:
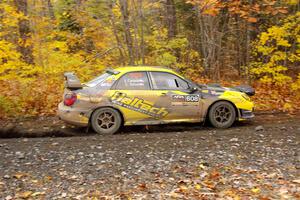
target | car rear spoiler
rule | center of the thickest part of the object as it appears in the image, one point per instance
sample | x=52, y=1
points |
x=71, y=81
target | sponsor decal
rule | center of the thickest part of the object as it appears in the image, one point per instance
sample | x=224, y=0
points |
x=136, y=75
x=135, y=82
x=83, y=97
x=138, y=105
x=92, y=99
x=95, y=99
x=181, y=100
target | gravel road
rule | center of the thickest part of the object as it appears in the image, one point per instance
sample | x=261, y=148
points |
x=253, y=160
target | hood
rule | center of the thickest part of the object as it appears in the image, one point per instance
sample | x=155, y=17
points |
x=217, y=89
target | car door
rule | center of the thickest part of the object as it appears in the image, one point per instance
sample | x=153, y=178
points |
x=131, y=95
x=173, y=93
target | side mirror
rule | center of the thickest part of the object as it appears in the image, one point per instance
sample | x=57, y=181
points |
x=192, y=90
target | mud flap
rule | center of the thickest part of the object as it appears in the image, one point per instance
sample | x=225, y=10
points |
x=88, y=128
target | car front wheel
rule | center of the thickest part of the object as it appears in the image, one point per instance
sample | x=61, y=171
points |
x=106, y=121
x=222, y=114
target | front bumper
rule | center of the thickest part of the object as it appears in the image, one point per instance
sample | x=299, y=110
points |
x=246, y=114
x=71, y=115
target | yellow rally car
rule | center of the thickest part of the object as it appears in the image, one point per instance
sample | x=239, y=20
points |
x=142, y=95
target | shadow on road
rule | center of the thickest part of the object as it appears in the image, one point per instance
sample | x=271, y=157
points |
x=70, y=131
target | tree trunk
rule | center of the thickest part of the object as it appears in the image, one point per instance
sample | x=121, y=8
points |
x=24, y=31
x=50, y=9
x=141, y=15
x=210, y=42
x=171, y=18
x=135, y=18
x=114, y=28
x=128, y=36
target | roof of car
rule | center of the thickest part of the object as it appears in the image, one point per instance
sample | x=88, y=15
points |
x=143, y=68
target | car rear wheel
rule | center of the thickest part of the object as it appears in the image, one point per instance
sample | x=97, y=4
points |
x=106, y=121
x=222, y=114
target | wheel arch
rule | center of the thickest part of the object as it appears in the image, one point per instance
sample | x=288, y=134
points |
x=112, y=107
x=220, y=100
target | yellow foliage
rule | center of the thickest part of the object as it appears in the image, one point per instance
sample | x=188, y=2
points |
x=26, y=88
x=296, y=84
x=292, y=2
x=9, y=15
x=278, y=48
x=164, y=51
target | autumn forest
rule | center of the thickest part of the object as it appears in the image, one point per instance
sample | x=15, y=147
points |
x=232, y=42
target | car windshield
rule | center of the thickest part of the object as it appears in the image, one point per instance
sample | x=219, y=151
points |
x=98, y=80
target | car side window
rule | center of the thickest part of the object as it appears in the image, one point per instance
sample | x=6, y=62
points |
x=167, y=81
x=133, y=81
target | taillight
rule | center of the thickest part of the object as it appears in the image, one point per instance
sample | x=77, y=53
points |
x=70, y=99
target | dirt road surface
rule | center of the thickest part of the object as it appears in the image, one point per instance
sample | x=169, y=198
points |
x=253, y=160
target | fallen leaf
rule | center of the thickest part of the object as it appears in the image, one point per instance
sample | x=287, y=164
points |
x=282, y=10
x=252, y=19
x=214, y=175
x=37, y=194
x=34, y=181
x=209, y=185
x=143, y=186
x=230, y=193
x=264, y=198
x=183, y=189
x=25, y=195
x=19, y=175
x=255, y=190
x=197, y=187
x=296, y=181
x=201, y=166
x=182, y=182
x=173, y=195
x=48, y=178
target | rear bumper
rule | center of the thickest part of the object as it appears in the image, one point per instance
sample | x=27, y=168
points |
x=246, y=114
x=72, y=116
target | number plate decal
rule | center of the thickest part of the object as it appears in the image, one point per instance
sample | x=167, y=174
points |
x=182, y=100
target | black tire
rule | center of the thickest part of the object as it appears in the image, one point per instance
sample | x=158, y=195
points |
x=106, y=121
x=222, y=114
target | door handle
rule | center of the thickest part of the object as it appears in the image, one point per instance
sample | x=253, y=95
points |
x=163, y=94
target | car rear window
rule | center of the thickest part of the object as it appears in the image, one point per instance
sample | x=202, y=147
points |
x=133, y=81
x=100, y=80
